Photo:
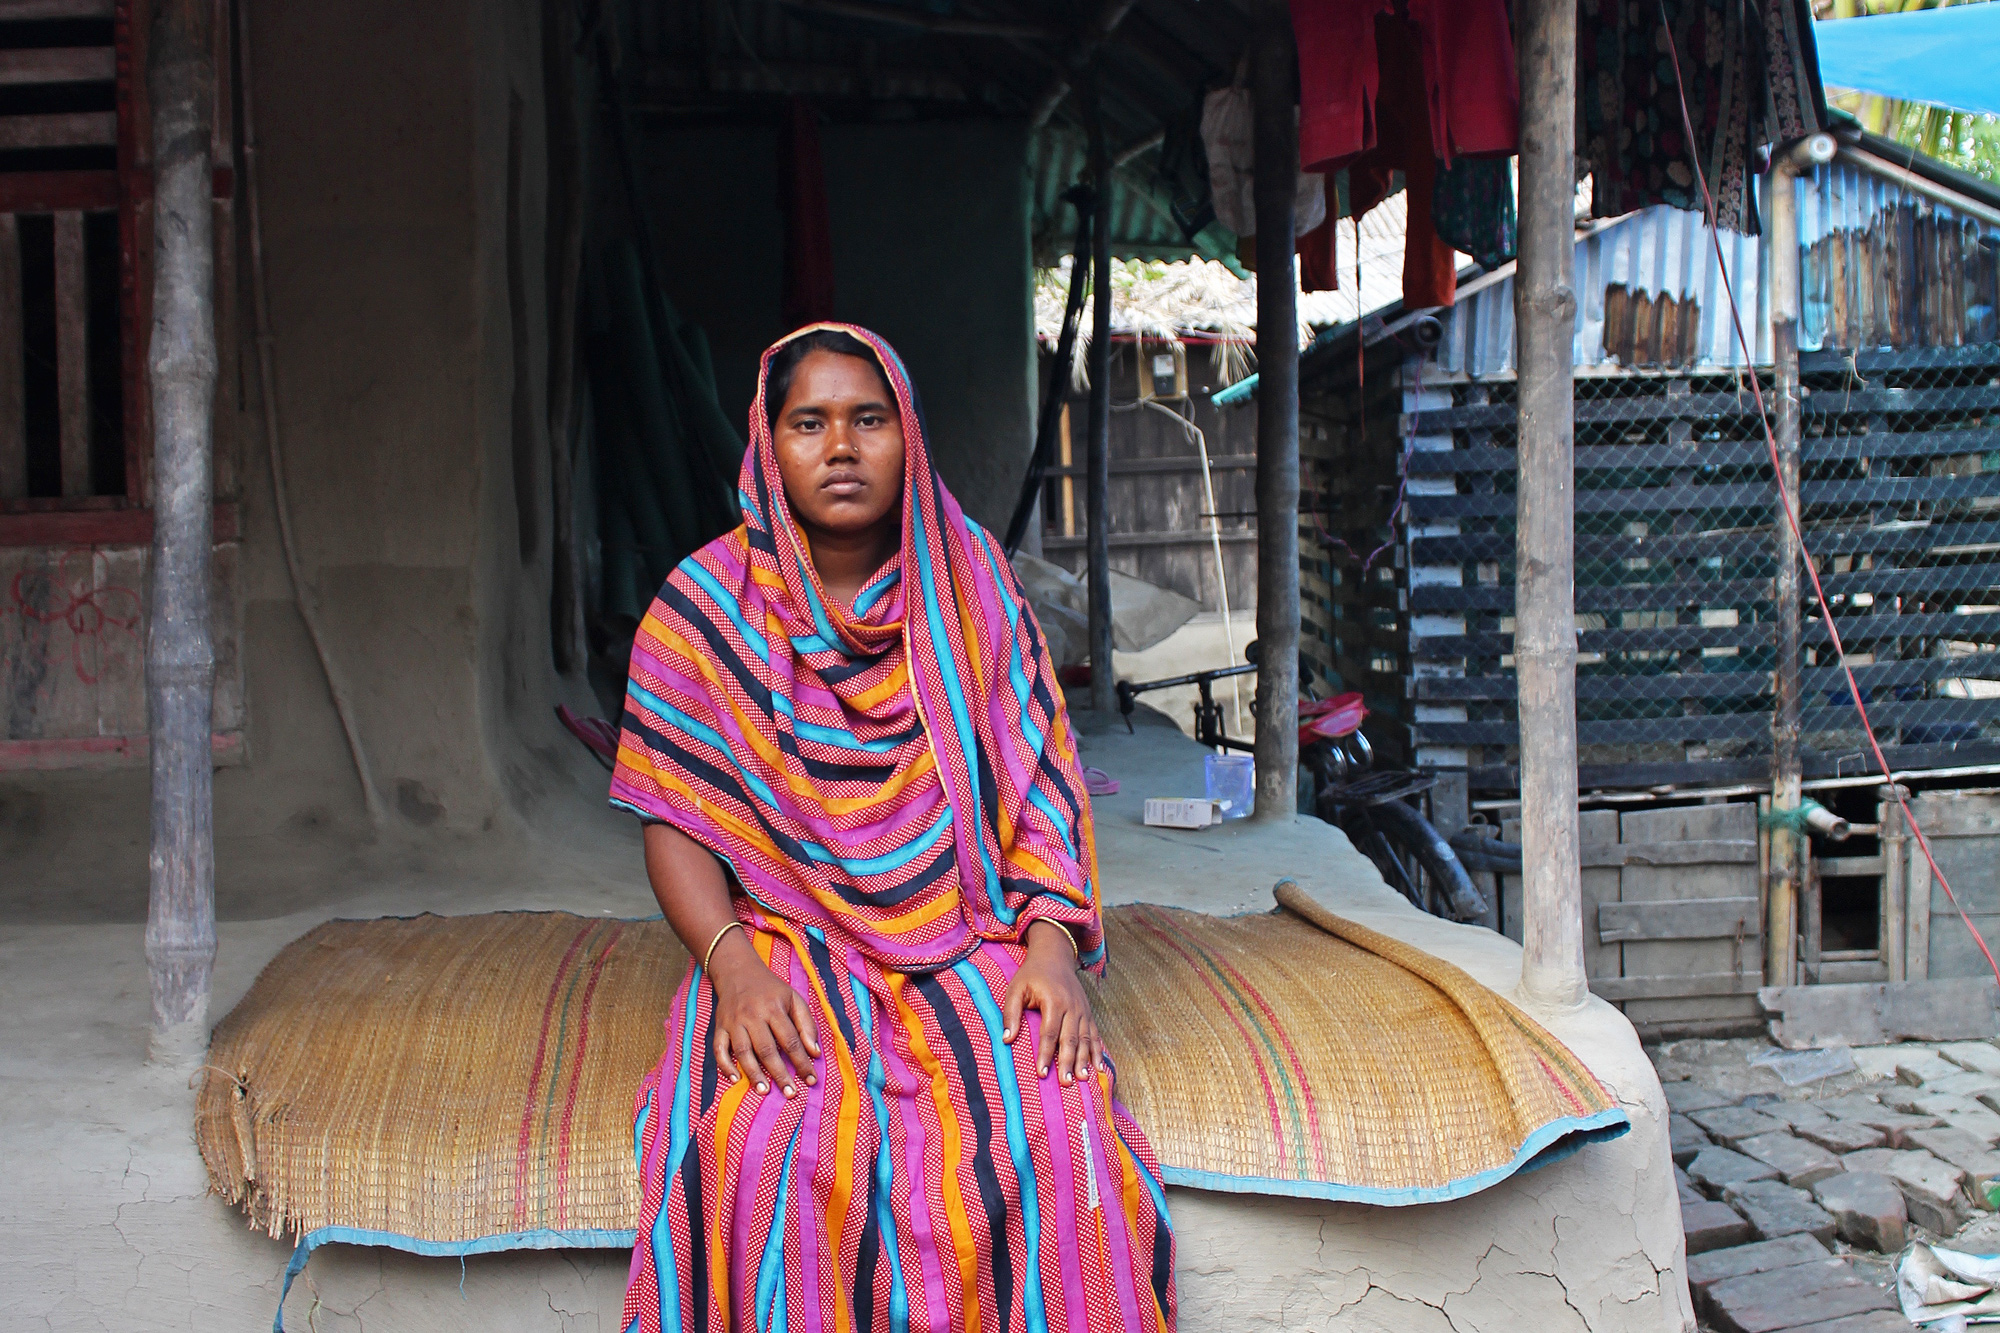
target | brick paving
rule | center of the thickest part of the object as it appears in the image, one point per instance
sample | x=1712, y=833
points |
x=1795, y=1204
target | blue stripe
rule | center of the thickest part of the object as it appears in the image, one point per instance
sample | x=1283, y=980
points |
x=876, y=865
x=885, y=1165
x=873, y=593
x=668, y=1268
x=968, y=739
x=771, y=1270
x=726, y=602
x=811, y=643
x=834, y=736
x=1017, y=1142
x=708, y=736
x=1018, y=676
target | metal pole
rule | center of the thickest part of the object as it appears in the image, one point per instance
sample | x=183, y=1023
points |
x=1781, y=899
x=1103, y=680
x=1552, y=972
x=1275, y=140
x=180, y=662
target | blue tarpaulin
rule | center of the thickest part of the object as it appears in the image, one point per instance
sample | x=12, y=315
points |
x=1946, y=57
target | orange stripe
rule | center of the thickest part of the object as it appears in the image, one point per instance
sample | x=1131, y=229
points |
x=954, y=1199
x=1135, y=1196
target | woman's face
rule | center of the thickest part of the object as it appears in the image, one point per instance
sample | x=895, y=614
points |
x=839, y=441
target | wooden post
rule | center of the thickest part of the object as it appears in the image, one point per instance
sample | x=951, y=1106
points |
x=13, y=418
x=1275, y=143
x=1782, y=898
x=1895, y=868
x=1097, y=494
x=180, y=662
x=1552, y=968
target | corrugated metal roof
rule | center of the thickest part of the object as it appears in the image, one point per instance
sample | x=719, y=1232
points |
x=1657, y=251
x=1142, y=227
x=1665, y=251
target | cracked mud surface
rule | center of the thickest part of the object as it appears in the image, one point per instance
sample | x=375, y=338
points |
x=107, y=1223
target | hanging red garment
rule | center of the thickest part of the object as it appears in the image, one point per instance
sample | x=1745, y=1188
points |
x=1319, y=257
x=1403, y=143
x=1470, y=99
x=808, y=291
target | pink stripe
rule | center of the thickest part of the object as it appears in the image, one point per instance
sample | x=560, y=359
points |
x=535, y=1081
x=575, y=1076
x=1249, y=1041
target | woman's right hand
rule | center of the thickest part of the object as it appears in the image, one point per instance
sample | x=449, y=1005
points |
x=763, y=1029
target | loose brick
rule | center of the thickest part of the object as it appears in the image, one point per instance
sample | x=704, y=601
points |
x=1796, y=1161
x=1774, y=1209
x=1685, y=1137
x=1981, y=1057
x=1874, y=1321
x=1713, y=1226
x=1961, y=1113
x=1967, y=1152
x=1930, y=1187
x=1684, y=1096
x=1843, y=1136
x=1868, y=1209
x=1705, y=1270
x=1730, y=1125
x=1853, y=1106
x=1685, y=1188
x=1796, y=1114
x=1965, y=1083
x=1898, y=1126
x=1917, y=1070
x=1786, y=1298
x=1716, y=1169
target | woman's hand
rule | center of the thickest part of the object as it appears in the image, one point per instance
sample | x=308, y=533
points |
x=762, y=1027
x=1048, y=982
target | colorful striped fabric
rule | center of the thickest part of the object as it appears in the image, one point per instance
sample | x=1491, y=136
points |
x=929, y=1181
x=909, y=812
x=896, y=790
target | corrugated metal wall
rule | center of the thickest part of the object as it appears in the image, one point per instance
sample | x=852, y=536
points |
x=1860, y=236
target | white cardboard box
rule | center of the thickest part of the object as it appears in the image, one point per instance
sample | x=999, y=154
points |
x=1173, y=812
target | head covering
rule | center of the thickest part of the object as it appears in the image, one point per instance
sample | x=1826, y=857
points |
x=899, y=774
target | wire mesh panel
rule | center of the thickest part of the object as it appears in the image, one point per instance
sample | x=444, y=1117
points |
x=1676, y=519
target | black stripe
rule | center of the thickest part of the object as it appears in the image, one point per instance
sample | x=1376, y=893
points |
x=820, y=959
x=828, y=771
x=999, y=1255
x=897, y=894
x=725, y=652
x=730, y=784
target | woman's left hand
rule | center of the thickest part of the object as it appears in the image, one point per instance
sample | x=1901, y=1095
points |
x=1048, y=982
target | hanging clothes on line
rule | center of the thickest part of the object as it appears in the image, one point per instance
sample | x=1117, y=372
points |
x=1473, y=209
x=1464, y=51
x=1385, y=92
x=1751, y=79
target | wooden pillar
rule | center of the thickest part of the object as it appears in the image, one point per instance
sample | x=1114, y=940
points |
x=180, y=662
x=1552, y=970
x=1097, y=496
x=1275, y=141
x=1782, y=898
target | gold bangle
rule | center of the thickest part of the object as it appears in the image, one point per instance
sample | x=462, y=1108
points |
x=1076, y=954
x=734, y=925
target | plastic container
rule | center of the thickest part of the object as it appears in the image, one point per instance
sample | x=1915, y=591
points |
x=1231, y=782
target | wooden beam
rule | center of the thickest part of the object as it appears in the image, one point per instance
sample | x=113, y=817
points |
x=1275, y=144
x=1081, y=53
x=1552, y=968
x=55, y=191
x=72, y=354
x=57, y=64
x=1693, y=919
x=68, y=129
x=563, y=267
x=180, y=660
x=99, y=527
x=13, y=408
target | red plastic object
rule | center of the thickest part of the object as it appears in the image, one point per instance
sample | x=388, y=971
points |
x=1329, y=719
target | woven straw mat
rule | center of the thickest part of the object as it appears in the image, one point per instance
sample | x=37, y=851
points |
x=452, y=1078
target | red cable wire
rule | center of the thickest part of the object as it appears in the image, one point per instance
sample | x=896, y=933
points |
x=1791, y=512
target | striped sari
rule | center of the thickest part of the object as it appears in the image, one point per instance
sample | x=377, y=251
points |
x=895, y=790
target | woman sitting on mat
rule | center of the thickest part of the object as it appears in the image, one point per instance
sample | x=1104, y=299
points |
x=884, y=1103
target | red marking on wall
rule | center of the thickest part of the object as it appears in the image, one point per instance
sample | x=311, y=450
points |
x=92, y=614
